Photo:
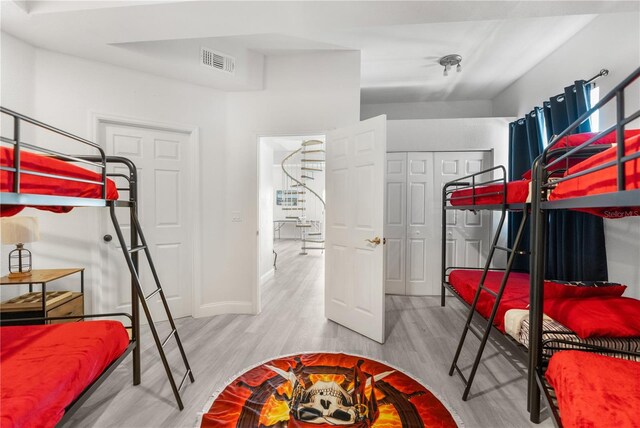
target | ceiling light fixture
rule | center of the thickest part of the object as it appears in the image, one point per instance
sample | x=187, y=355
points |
x=449, y=61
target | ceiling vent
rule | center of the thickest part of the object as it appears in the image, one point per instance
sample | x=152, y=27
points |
x=217, y=60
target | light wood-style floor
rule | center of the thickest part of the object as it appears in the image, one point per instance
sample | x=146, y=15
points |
x=421, y=339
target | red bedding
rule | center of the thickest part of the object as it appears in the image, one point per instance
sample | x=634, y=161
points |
x=516, y=293
x=603, y=181
x=492, y=194
x=603, y=316
x=45, y=367
x=577, y=139
x=595, y=390
x=34, y=184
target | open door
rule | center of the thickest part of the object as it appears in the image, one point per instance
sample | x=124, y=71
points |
x=354, y=261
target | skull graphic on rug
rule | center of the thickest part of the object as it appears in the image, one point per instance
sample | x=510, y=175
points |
x=323, y=390
x=328, y=402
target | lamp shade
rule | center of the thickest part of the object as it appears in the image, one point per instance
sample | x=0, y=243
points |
x=19, y=230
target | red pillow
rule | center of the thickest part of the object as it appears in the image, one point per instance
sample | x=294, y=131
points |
x=556, y=289
x=597, y=316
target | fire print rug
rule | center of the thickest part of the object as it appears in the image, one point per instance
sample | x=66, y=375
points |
x=320, y=390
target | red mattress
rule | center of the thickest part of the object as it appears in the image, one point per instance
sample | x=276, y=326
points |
x=492, y=194
x=595, y=390
x=603, y=181
x=45, y=367
x=516, y=293
x=33, y=184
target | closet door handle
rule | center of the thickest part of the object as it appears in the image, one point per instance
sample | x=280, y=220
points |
x=107, y=238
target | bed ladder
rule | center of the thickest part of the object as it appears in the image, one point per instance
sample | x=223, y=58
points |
x=130, y=255
x=483, y=336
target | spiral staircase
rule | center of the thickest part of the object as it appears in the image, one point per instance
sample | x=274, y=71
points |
x=301, y=167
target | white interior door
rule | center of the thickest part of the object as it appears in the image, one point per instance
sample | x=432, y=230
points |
x=355, y=190
x=162, y=161
x=395, y=227
x=468, y=233
x=422, y=230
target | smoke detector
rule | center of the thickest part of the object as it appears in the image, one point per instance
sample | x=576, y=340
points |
x=217, y=60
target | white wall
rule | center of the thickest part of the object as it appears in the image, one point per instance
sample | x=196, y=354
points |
x=266, y=206
x=451, y=135
x=66, y=89
x=612, y=42
x=429, y=110
x=304, y=95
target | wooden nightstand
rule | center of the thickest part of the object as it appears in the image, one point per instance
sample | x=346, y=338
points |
x=35, y=305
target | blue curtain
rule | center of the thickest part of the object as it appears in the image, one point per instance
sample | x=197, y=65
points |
x=576, y=248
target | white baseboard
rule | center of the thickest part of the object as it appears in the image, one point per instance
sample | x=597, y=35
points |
x=267, y=276
x=220, y=308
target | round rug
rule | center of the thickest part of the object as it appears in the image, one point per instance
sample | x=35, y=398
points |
x=319, y=390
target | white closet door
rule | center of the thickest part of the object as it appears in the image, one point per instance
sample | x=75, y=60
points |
x=395, y=228
x=468, y=233
x=162, y=161
x=421, y=226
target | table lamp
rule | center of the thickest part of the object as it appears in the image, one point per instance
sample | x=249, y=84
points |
x=19, y=231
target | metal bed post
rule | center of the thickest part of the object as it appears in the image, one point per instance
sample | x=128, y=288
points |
x=135, y=299
x=537, y=268
x=16, y=154
x=620, y=137
x=443, y=250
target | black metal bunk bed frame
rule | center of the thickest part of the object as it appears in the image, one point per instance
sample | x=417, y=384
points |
x=473, y=183
x=137, y=241
x=542, y=184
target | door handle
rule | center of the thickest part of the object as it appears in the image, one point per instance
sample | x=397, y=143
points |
x=375, y=241
x=107, y=238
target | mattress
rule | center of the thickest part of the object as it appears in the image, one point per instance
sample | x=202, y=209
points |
x=46, y=367
x=33, y=184
x=493, y=194
x=603, y=181
x=594, y=390
x=516, y=292
x=550, y=326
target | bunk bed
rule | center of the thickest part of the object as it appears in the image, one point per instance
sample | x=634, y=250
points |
x=76, y=357
x=584, y=388
x=500, y=296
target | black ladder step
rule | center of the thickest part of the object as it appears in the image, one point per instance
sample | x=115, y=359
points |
x=475, y=332
x=292, y=217
x=305, y=168
x=510, y=250
x=313, y=248
x=304, y=152
x=183, y=379
x=313, y=160
x=464, y=378
x=307, y=177
x=493, y=293
x=314, y=233
x=136, y=249
x=293, y=209
x=303, y=225
x=164, y=342
x=317, y=241
x=153, y=293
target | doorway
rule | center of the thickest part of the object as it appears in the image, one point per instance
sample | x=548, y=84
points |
x=291, y=204
x=414, y=183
